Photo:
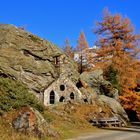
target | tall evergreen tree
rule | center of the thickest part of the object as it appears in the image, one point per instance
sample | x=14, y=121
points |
x=118, y=46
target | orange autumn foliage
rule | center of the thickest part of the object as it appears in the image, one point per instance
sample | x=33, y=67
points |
x=131, y=101
x=118, y=47
x=68, y=49
x=81, y=47
x=81, y=43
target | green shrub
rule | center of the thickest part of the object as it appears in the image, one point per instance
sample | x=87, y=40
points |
x=13, y=94
x=111, y=76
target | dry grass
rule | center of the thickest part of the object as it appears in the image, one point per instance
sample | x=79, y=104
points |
x=6, y=130
x=7, y=133
x=69, y=120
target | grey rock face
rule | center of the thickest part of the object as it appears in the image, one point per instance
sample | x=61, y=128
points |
x=115, y=106
x=96, y=81
x=89, y=95
x=92, y=78
x=106, y=95
x=22, y=122
x=34, y=61
x=31, y=121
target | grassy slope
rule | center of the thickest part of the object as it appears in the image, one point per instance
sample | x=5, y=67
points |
x=68, y=122
x=8, y=133
x=68, y=119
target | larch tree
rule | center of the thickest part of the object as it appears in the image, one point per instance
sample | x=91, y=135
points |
x=68, y=49
x=118, y=47
x=80, y=49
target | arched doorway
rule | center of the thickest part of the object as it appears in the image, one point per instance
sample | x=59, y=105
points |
x=52, y=97
x=61, y=99
x=72, y=96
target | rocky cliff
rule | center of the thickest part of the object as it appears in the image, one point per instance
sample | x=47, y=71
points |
x=34, y=61
x=37, y=63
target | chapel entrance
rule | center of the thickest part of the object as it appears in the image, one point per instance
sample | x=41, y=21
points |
x=52, y=97
x=61, y=99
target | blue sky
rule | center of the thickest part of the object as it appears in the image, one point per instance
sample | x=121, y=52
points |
x=57, y=20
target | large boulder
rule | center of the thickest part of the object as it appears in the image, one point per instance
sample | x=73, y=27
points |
x=30, y=121
x=92, y=78
x=115, y=107
x=95, y=80
x=106, y=96
x=88, y=95
x=34, y=61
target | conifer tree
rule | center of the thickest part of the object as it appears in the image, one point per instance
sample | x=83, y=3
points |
x=118, y=47
x=68, y=49
x=81, y=47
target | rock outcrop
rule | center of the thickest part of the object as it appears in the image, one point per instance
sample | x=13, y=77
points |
x=30, y=121
x=34, y=61
x=38, y=63
x=88, y=95
x=115, y=106
x=95, y=80
x=103, y=94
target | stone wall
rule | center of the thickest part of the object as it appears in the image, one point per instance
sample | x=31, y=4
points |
x=61, y=90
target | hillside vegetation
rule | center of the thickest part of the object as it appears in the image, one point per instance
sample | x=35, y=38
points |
x=107, y=81
x=66, y=119
x=14, y=95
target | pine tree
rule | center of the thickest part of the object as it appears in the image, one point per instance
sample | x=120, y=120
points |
x=118, y=46
x=81, y=47
x=111, y=75
x=68, y=49
x=81, y=43
x=116, y=37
